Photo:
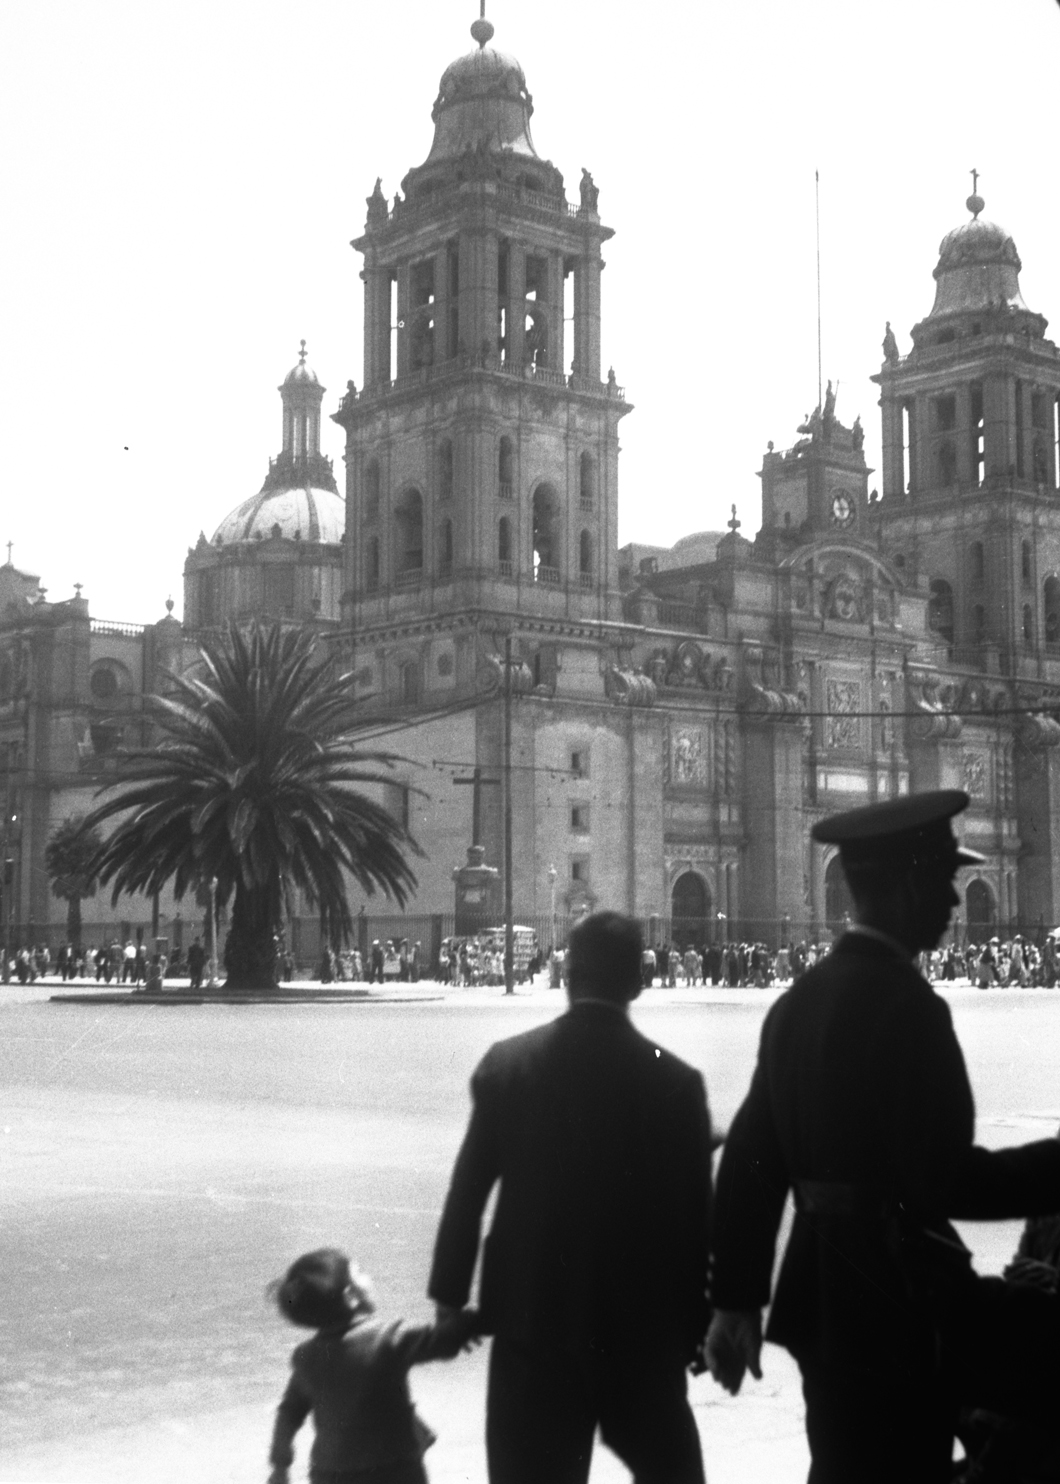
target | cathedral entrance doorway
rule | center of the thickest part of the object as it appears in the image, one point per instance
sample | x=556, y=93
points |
x=981, y=914
x=838, y=903
x=689, y=910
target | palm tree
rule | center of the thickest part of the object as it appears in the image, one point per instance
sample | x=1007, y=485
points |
x=256, y=783
x=68, y=858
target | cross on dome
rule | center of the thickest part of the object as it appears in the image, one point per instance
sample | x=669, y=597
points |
x=301, y=354
x=975, y=202
x=734, y=524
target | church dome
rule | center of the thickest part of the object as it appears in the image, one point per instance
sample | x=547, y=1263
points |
x=978, y=268
x=482, y=103
x=302, y=373
x=300, y=514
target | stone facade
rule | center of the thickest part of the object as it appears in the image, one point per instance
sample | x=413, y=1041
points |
x=71, y=697
x=680, y=718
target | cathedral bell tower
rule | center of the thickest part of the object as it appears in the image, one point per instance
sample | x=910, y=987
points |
x=481, y=452
x=970, y=434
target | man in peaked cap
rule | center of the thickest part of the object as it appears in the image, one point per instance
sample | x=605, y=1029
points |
x=860, y=1106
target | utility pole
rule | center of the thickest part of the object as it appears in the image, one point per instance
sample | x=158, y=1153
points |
x=509, y=933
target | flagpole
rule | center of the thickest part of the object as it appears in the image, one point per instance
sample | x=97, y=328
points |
x=817, y=214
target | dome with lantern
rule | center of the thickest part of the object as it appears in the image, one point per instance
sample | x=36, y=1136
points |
x=977, y=288
x=279, y=553
x=482, y=124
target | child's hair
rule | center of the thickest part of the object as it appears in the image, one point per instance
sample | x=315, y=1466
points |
x=320, y=1288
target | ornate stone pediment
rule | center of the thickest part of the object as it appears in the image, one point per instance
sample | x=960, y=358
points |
x=688, y=666
x=843, y=582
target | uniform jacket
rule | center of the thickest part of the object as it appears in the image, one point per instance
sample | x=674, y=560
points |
x=600, y=1141
x=860, y=1083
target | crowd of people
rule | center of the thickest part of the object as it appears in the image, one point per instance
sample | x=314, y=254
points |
x=1018, y=961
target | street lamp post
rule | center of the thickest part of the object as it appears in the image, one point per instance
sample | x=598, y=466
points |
x=552, y=902
x=212, y=982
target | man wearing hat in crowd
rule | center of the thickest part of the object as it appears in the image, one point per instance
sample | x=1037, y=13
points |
x=860, y=1105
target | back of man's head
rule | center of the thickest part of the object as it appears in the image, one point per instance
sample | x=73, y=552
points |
x=604, y=958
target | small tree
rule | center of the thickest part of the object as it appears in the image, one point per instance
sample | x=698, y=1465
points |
x=69, y=861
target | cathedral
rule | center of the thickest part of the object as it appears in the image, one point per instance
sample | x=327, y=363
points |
x=661, y=726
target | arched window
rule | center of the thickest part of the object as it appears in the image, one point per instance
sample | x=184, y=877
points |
x=445, y=548
x=505, y=468
x=371, y=491
x=1051, y=595
x=371, y=564
x=585, y=559
x=408, y=537
x=409, y=681
x=980, y=910
x=940, y=609
x=838, y=903
x=587, y=481
x=546, y=534
x=445, y=469
x=103, y=683
x=977, y=561
x=1025, y=561
x=1028, y=624
x=689, y=910
x=504, y=545
x=978, y=624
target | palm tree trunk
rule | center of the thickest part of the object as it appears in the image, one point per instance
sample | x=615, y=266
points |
x=73, y=922
x=250, y=950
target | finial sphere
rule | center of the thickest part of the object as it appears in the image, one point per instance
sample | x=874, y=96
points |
x=975, y=204
x=482, y=30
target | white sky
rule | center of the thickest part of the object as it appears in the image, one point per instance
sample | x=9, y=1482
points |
x=181, y=182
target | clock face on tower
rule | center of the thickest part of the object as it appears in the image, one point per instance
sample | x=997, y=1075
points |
x=842, y=510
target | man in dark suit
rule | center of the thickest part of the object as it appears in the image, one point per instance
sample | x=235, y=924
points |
x=860, y=1105
x=595, y=1268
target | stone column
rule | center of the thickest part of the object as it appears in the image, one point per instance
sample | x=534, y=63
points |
x=516, y=303
x=587, y=314
x=892, y=446
x=376, y=325
x=965, y=472
x=776, y=848
x=404, y=337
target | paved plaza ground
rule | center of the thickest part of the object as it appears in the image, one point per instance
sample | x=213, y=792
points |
x=161, y=1163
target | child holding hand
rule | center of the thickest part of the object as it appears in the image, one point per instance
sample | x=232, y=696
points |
x=353, y=1376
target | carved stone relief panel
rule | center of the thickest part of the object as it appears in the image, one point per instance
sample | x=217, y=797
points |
x=974, y=774
x=843, y=724
x=687, y=756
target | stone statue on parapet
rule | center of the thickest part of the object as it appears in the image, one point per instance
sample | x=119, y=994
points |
x=590, y=192
x=890, y=345
x=377, y=201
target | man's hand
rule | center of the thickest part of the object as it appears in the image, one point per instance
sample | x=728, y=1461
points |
x=734, y=1346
